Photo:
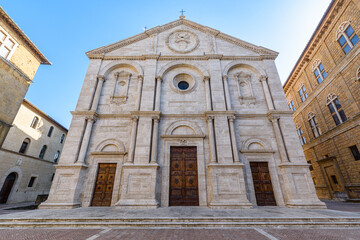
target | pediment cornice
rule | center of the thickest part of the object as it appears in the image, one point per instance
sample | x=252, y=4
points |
x=106, y=49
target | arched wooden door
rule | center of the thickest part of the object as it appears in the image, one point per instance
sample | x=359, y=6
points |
x=7, y=186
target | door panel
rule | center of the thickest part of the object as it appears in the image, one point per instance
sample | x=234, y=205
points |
x=183, y=177
x=7, y=187
x=262, y=184
x=104, y=184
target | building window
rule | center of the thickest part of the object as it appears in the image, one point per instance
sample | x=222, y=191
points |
x=334, y=179
x=34, y=122
x=346, y=36
x=56, y=157
x=302, y=93
x=50, y=131
x=314, y=124
x=62, y=138
x=32, y=181
x=291, y=105
x=311, y=166
x=7, y=44
x=358, y=74
x=301, y=136
x=335, y=108
x=355, y=152
x=42, y=152
x=24, y=145
x=319, y=71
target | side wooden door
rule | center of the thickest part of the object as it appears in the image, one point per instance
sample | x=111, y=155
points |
x=104, y=184
x=262, y=183
x=183, y=177
x=7, y=187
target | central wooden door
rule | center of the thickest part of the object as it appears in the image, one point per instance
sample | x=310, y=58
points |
x=262, y=184
x=104, y=184
x=183, y=177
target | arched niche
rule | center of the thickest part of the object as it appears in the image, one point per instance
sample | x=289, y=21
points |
x=256, y=145
x=110, y=145
x=197, y=67
x=245, y=65
x=183, y=128
x=133, y=66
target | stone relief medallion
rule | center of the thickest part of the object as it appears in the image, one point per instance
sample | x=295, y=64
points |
x=182, y=41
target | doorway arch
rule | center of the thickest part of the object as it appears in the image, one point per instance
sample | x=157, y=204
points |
x=7, y=187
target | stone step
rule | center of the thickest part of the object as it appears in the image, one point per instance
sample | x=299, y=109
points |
x=179, y=223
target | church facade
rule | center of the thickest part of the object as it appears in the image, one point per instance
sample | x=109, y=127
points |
x=182, y=115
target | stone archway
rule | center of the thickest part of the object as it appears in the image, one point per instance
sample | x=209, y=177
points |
x=7, y=187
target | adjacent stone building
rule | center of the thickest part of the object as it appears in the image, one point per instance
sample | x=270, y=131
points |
x=182, y=115
x=19, y=61
x=29, y=155
x=323, y=90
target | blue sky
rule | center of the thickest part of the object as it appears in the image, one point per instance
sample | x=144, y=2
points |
x=64, y=30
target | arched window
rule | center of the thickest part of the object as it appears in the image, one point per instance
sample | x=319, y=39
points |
x=335, y=108
x=358, y=74
x=24, y=145
x=50, y=131
x=34, y=122
x=346, y=36
x=319, y=71
x=56, y=157
x=42, y=152
x=301, y=136
x=314, y=124
x=302, y=92
x=62, y=138
x=291, y=105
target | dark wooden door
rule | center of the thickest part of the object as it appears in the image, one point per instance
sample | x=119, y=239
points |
x=6, y=188
x=104, y=184
x=262, y=184
x=183, y=177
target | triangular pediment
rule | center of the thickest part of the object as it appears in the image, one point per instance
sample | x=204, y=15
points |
x=258, y=50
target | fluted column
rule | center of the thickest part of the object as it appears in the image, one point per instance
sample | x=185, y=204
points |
x=139, y=90
x=154, y=145
x=227, y=93
x=211, y=139
x=135, y=120
x=85, y=141
x=279, y=139
x=158, y=93
x=207, y=93
x=95, y=103
x=263, y=80
x=233, y=139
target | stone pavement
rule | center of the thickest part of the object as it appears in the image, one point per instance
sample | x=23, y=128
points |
x=195, y=223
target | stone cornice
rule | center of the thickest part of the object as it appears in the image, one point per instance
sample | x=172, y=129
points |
x=26, y=156
x=257, y=151
x=183, y=57
x=85, y=113
x=184, y=136
x=219, y=113
x=146, y=113
x=106, y=49
x=108, y=153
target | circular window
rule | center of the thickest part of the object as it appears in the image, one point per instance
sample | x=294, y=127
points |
x=183, y=85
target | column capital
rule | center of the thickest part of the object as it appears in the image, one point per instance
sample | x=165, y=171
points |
x=90, y=118
x=231, y=118
x=209, y=118
x=101, y=78
x=156, y=118
x=116, y=74
x=158, y=78
x=206, y=78
x=225, y=78
x=134, y=117
x=140, y=77
x=262, y=78
x=273, y=117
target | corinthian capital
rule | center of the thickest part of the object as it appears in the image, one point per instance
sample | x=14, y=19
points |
x=225, y=78
x=140, y=77
x=206, y=78
x=101, y=78
x=262, y=78
x=158, y=78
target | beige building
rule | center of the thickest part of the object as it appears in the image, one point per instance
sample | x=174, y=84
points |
x=29, y=155
x=19, y=61
x=182, y=115
x=323, y=90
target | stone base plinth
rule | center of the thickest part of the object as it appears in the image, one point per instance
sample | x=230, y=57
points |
x=138, y=184
x=66, y=188
x=227, y=186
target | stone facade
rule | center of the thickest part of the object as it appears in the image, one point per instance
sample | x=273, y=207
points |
x=24, y=160
x=19, y=61
x=181, y=85
x=331, y=146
